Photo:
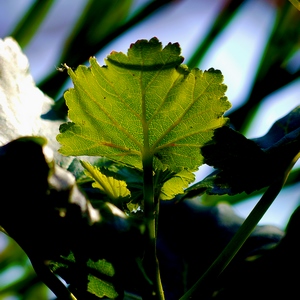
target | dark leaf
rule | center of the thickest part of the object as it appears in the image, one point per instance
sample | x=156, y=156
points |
x=49, y=217
x=244, y=165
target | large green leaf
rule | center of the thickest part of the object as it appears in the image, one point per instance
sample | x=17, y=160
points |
x=142, y=104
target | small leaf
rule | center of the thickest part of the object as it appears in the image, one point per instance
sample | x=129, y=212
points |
x=176, y=184
x=102, y=266
x=101, y=288
x=113, y=188
x=142, y=104
x=96, y=285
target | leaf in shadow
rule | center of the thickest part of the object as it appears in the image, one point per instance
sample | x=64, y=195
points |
x=46, y=213
x=244, y=165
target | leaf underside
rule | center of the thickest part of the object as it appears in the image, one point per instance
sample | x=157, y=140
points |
x=143, y=102
x=108, y=185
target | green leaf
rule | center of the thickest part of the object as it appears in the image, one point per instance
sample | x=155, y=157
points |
x=101, y=288
x=132, y=177
x=113, y=188
x=96, y=284
x=174, y=183
x=143, y=104
x=103, y=266
x=23, y=110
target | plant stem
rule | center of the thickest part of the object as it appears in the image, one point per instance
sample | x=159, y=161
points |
x=204, y=284
x=151, y=215
x=52, y=282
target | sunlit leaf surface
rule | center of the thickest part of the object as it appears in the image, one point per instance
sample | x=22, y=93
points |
x=143, y=103
x=106, y=184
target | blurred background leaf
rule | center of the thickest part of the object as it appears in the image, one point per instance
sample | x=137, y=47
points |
x=31, y=21
x=17, y=277
x=256, y=45
x=296, y=3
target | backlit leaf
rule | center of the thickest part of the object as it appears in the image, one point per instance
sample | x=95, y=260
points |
x=142, y=104
x=101, y=288
x=108, y=185
x=96, y=284
x=174, y=183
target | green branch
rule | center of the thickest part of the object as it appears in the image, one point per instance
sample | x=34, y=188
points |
x=51, y=281
x=204, y=284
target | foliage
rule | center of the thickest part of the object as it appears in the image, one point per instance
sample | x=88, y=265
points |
x=139, y=127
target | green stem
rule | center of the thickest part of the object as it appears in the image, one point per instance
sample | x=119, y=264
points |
x=52, y=282
x=151, y=216
x=203, y=285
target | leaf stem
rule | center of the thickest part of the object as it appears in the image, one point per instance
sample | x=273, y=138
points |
x=151, y=216
x=52, y=282
x=204, y=285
